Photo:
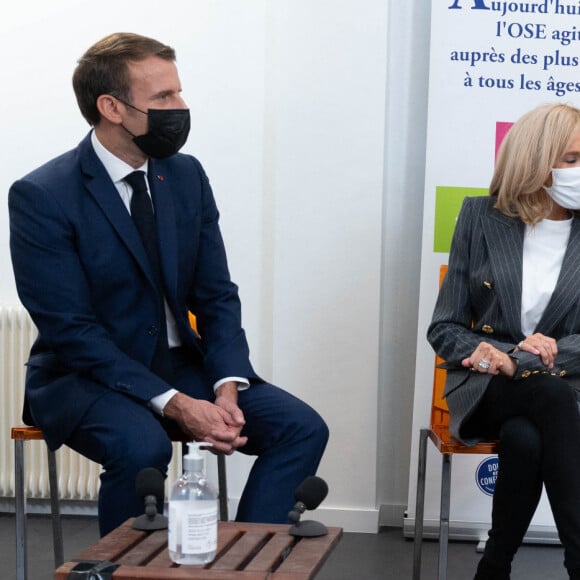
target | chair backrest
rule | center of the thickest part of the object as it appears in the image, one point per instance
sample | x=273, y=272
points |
x=192, y=320
x=439, y=409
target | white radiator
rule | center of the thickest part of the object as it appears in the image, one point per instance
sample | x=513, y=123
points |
x=78, y=477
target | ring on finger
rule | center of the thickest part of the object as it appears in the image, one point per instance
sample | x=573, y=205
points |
x=521, y=343
x=484, y=364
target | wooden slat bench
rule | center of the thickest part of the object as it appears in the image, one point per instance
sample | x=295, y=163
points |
x=245, y=551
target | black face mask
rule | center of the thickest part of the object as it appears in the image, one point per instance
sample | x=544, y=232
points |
x=167, y=131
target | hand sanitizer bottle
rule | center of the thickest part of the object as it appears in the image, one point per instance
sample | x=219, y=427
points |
x=193, y=512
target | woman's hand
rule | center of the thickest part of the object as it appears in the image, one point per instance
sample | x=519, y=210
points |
x=489, y=360
x=543, y=346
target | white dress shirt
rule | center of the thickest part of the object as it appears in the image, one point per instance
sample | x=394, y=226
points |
x=544, y=247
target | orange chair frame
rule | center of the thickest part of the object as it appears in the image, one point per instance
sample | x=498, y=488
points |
x=438, y=433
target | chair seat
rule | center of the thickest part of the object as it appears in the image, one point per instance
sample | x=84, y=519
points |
x=446, y=443
x=25, y=433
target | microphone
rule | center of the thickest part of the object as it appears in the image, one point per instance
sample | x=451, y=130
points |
x=309, y=495
x=150, y=487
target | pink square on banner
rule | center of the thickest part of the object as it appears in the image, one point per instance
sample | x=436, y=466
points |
x=501, y=130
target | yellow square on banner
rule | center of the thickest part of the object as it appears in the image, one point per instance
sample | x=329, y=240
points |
x=448, y=202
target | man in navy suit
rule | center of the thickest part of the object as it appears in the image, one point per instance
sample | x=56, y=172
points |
x=116, y=361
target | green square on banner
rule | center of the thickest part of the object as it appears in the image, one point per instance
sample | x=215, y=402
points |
x=448, y=202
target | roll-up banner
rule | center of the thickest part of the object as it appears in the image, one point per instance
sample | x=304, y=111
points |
x=490, y=63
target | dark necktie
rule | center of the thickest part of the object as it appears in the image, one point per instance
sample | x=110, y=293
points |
x=144, y=219
x=142, y=214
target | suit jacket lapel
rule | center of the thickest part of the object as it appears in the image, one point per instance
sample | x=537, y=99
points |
x=161, y=184
x=104, y=192
x=567, y=290
x=504, y=237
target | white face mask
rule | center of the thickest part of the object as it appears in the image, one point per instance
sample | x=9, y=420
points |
x=565, y=190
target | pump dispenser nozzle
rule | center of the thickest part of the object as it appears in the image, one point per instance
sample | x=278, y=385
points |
x=194, y=461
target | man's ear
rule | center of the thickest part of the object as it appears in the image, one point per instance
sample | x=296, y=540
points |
x=108, y=107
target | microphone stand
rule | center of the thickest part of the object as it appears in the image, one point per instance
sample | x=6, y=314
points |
x=150, y=520
x=307, y=528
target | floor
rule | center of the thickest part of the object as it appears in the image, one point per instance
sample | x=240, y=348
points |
x=386, y=555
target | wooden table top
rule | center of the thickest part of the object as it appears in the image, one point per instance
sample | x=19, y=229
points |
x=245, y=551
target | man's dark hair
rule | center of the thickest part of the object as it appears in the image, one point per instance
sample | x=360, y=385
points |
x=103, y=69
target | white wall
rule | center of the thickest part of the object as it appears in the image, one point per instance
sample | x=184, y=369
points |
x=292, y=104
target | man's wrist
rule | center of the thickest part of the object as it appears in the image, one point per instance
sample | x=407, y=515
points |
x=158, y=403
x=241, y=382
x=227, y=389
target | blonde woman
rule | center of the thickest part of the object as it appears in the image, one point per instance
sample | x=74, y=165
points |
x=507, y=321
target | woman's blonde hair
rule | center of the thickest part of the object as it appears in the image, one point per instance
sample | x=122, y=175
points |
x=529, y=151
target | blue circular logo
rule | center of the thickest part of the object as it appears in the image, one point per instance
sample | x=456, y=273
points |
x=486, y=474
